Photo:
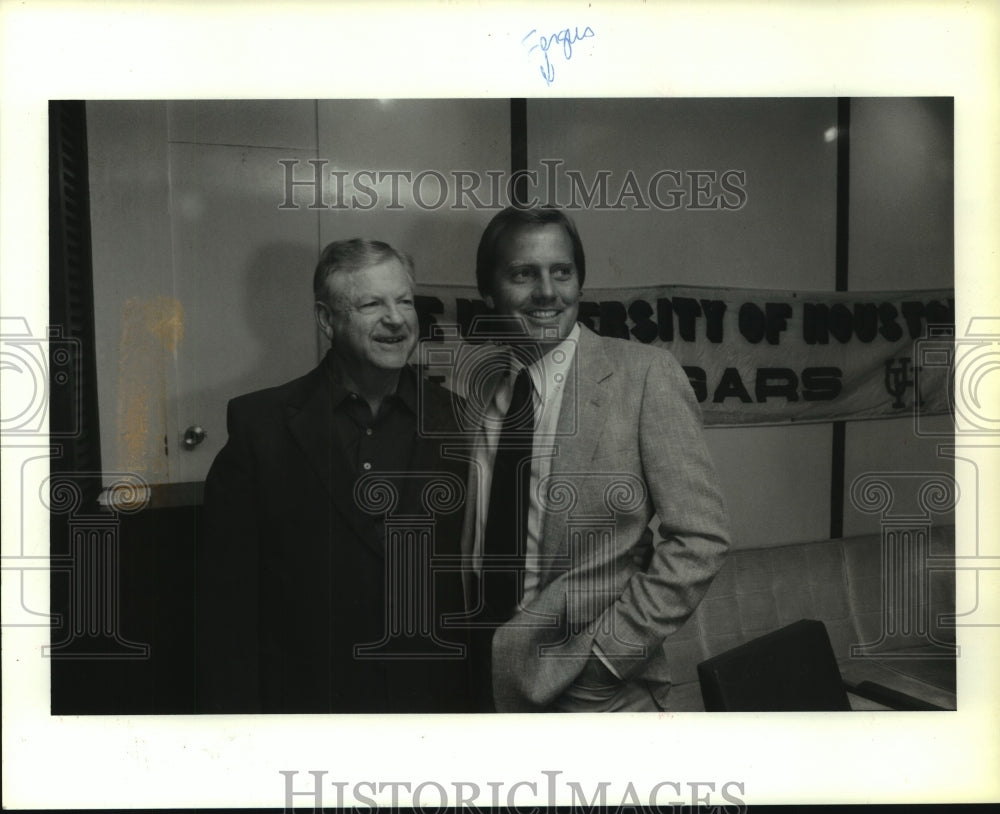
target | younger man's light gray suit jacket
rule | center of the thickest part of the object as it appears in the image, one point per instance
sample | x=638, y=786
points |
x=628, y=446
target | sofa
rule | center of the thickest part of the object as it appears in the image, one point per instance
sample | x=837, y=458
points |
x=887, y=604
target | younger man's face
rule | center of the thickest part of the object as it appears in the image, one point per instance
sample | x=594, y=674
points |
x=536, y=279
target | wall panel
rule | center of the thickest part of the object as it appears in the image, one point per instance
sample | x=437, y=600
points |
x=901, y=237
x=243, y=282
x=782, y=237
x=415, y=136
x=776, y=481
x=902, y=194
x=133, y=270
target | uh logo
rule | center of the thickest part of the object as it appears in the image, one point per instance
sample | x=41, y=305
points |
x=900, y=376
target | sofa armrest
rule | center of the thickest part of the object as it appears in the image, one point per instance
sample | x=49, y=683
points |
x=894, y=699
x=791, y=669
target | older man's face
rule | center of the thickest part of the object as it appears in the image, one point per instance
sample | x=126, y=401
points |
x=536, y=279
x=371, y=320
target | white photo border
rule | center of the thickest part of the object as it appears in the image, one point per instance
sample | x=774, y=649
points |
x=85, y=50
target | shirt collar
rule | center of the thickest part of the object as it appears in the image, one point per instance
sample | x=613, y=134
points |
x=548, y=374
x=406, y=387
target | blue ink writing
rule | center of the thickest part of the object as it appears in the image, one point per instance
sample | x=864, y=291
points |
x=543, y=43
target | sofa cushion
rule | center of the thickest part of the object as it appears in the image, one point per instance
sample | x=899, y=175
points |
x=760, y=590
x=839, y=582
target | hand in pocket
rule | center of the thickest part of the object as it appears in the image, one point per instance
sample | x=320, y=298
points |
x=596, y=676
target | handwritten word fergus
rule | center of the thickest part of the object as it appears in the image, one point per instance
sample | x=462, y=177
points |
x=544, y=43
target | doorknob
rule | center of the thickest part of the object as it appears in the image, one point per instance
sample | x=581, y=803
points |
x=193, y=436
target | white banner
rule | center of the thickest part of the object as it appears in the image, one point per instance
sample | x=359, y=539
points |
x=765, y=357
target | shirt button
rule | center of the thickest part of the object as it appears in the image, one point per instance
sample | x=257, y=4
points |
x=354, y=396
x=366, y=466
x=369, y=431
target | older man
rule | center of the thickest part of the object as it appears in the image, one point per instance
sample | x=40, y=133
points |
x=313, y=595
x=584, y=440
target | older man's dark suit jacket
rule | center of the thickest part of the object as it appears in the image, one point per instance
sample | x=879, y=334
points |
x=292, y=573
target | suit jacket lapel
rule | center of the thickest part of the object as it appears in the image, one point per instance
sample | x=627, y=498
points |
x=584, y=406
x=310, y=423
x=582, y=416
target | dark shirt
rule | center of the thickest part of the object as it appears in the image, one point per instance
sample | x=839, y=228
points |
x=380, y=443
